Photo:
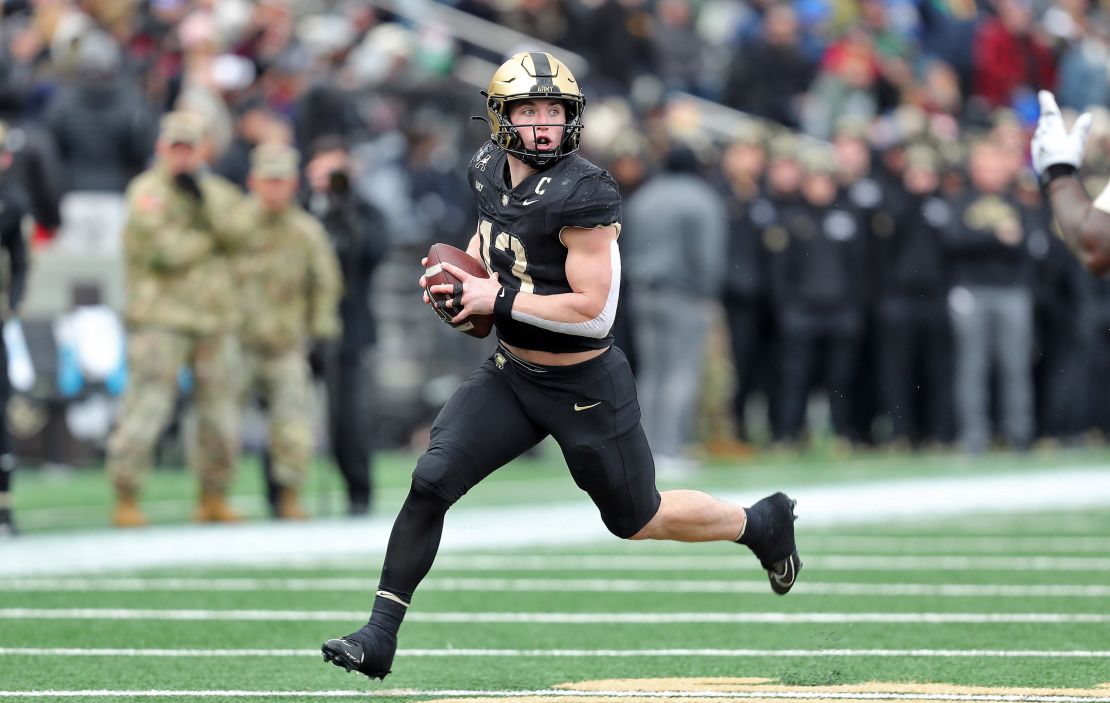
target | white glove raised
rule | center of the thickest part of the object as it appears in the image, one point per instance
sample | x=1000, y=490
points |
x=1052, y=144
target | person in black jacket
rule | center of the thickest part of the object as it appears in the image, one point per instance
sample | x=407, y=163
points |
x=990, y=303
x=13, y=207
x=913, y=325
x=357, y=232
x=817, y=281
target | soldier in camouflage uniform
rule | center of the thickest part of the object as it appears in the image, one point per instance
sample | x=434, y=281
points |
x=180, y=310
x=290, y=284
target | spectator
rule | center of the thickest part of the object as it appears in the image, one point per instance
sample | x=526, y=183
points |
x=288, y=282
x=747, y=285
x=676, y=261
x=1011, y=59
x=913, y=370
x=13, y=206
x=990, y=305
x=357, y=235
x=102, y=128
x=179, y=311
x=769, y=77
x=817, y=289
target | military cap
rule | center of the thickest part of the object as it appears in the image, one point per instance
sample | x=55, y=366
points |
x=750, y=132
x=852, y=127
x=818, y=160
x=182, y=127
x=922, y=157
x=274, y=160
x=783, y=145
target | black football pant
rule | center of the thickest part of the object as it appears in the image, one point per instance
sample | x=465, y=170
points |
x=506, y=407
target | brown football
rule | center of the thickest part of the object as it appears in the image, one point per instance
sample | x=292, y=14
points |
x=434, y=274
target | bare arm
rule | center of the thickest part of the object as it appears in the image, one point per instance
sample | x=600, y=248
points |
x=593, y=270
x=1085, y=228
x=590, y=274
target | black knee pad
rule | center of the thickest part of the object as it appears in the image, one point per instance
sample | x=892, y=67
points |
x=437, y=475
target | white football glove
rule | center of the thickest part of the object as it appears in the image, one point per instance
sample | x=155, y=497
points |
x=1052, y=144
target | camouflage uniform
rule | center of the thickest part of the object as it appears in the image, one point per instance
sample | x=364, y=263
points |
x=290, y=284
x=180, y=310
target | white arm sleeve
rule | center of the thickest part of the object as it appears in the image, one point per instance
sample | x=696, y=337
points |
x=1102, y=202
x=599, y=326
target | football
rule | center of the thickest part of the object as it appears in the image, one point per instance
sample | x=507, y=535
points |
x=434, y=274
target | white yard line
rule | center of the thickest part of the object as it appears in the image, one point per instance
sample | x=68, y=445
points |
x=571, y=694
x=961, y=544
x=572, y=653
x=826, y=562
x=946, y=499
x=495, y=585
x=552, y=618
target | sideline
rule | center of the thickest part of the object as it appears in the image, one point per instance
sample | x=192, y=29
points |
x=535, y=524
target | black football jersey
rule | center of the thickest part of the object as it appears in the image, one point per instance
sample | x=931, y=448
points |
x=519, y=231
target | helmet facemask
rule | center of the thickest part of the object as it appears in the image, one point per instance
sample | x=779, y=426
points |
x=508, y=136
x=537, y=76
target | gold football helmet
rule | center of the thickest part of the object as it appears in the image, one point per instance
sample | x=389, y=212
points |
x=533, y=74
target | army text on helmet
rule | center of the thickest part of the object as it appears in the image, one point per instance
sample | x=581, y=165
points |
x=534, y=74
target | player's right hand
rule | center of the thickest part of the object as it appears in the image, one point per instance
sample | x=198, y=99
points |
x=1052, y=144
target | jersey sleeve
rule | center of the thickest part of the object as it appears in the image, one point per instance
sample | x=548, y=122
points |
x=595, y=202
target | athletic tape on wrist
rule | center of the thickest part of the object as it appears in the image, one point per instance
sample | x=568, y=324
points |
x=503, y=304
x=1055, y=171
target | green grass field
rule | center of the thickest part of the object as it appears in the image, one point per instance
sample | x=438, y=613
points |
x=1010, y=599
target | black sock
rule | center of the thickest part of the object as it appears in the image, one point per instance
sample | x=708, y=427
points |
x=412, y=548
x=755, y=531
x=388, y=614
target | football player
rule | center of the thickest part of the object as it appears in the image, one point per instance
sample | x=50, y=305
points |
x=1057, y=154
x=547, y=234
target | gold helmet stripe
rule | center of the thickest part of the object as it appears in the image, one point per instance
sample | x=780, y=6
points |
x=544, y=75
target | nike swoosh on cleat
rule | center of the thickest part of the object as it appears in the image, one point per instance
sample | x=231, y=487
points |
x=786, y=578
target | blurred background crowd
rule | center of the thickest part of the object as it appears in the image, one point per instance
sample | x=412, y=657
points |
x=831, y=227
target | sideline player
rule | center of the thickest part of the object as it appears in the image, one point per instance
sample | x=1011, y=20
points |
x=547, y=232
x=1057, y=155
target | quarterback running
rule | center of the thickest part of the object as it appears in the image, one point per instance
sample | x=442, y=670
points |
x=548, y=222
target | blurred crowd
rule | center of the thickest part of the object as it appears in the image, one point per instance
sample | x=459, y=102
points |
x=819, y=194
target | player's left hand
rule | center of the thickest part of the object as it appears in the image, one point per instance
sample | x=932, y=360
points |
x=1052, y=143
x=478, y=294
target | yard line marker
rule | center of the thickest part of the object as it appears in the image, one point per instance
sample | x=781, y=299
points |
x=994, y=544
x=571, y=694
x=826, y=562
x=715, y=563
x=574, y=653
x=362, y=585
x=564, y=693
x=552, y=618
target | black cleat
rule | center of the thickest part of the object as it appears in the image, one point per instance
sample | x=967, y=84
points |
x=778, y=553
x=363, y=651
